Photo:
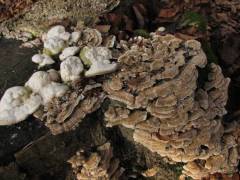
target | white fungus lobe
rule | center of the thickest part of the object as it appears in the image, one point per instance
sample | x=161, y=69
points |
x=99, y=58
x=71, y=68
x=54, y=45
x=75, y=36
x=17, y=104
x=42, y=82
x=58, y=32
x=42, y=60
x=69, y=51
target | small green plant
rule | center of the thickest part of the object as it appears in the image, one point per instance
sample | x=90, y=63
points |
x=194, y=19
x=177, y=168
x=141, y=32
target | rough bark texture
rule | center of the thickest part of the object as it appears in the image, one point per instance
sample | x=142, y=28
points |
x=45, y=13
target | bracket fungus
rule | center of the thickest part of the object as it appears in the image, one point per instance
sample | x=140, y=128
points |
x=75, y=36
x=69, y=51
x=71, y=68
x=96, y=165
x=63, y=105
x=53, y=46
x=17, y=104
x=58, y=32
x=42, y=60
x=64, y=113
x=44, y=84
x=98, y=58
x=170, y=112
x=160, y=93
x=55, y=40
x=90, y=37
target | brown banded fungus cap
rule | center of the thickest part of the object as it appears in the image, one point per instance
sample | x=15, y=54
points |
x=90, y=37
x=224, y=162
x=64, y=113
x=99, y=165
x=161, y=98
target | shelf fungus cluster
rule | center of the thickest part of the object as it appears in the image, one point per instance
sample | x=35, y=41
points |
x=161, y=87
x=172, y=109
x=96, y=165
x=61, y=98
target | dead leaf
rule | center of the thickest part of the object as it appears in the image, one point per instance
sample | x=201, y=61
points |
x=168, y=13
x=103, y=28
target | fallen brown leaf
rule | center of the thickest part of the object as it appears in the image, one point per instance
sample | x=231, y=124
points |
x=103, y=28
x=168, y=13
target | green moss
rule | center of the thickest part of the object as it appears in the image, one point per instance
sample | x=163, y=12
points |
x=194, y=19
x=141, y=32
x=177, y=168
